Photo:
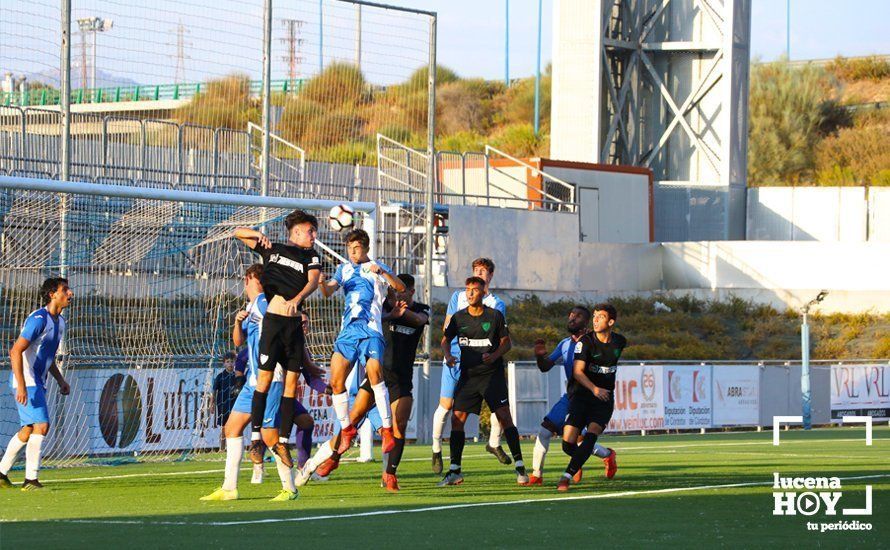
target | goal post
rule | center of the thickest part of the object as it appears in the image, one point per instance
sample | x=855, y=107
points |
x=157, y=277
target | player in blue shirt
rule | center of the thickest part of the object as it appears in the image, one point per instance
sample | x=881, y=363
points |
x=484, y=269
x=32, y=357
x=248, y=329
x=365, y=284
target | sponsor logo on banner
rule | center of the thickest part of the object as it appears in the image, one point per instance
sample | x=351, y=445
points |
x=120, y=411
x=639, y=403
x=736, y=395
x=688, y=400
x=860, y=390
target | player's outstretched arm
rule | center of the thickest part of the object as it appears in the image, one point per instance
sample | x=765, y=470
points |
x=238, y=336
x=64, y=388
x=412, y=319
x=545, y=363
x=328, y=286
x=18, y=369
x=252, y=238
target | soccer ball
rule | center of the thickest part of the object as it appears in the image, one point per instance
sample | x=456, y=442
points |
x=341, y=218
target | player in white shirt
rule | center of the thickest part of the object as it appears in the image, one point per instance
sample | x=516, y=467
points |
x=32, y=357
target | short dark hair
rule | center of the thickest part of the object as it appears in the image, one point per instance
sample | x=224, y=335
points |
x=584, y=310
x=484, y=262
x=50, y=286
x=255, y=271
x=407, y=279
x=300, y=216
x=360, y=236
x=475, y=281
x=229, y=356
x=608, y=308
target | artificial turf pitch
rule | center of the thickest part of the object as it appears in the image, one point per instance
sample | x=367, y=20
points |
x=670, y=490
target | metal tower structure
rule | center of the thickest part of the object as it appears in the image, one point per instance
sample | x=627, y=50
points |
x=294, y=42
x=661, y=84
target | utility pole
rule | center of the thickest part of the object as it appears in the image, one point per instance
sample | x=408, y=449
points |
x=507, y=43
x=358, y=36
x=181, y=31
x=294, y=43
x=806, y=395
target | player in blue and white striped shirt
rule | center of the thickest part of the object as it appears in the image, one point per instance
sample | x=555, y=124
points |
x=32, y=357
x=563, y=355
x=365, y=284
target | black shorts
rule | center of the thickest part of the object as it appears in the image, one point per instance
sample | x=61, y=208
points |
x=585, y=408
x=473, y=388
x=281, y=343
x=397, y=387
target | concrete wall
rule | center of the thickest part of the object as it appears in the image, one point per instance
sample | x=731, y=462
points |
x=879, y=214
x=807, y=214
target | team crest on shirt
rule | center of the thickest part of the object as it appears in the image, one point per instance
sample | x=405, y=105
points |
x=486, y=326
x=578, y=347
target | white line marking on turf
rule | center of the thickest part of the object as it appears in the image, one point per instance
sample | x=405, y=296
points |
x=445, y=507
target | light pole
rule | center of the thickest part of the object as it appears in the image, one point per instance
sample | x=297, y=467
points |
x=805, y=360
x=92, y=25
x=507, y=43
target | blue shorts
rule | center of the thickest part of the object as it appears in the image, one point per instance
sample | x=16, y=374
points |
x=271, y=419
x=34, y=411
x=558, y=413
x=358, y=341
x=450, y=377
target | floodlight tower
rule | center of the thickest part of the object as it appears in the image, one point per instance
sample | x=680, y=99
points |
x=92, y=25
x=657, y=83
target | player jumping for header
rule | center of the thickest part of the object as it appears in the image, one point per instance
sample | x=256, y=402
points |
x=592, y=388
x=32, y=356
x=365, y=283
x=291, y=272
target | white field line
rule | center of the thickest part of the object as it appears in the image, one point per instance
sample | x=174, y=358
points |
x=657, y=448
x=442, y=508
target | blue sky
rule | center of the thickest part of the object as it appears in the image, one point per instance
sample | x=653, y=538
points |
x=471, y=32
x=225, y=36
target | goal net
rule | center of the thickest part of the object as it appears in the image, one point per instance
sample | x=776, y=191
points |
x=158, y=279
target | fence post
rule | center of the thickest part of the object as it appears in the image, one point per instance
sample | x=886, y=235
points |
x=267, y=88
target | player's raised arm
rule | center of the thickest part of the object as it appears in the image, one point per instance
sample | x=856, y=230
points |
x=18, y=370
x=411, y=318
x=329, y=286
x=238, y=336
x=545, y=362
x=252, y=238
x=394, y=282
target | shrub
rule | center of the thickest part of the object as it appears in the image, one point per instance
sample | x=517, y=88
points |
x=339, y=85
x=866, y=68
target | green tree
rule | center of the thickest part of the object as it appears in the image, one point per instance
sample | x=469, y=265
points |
x=225, y=104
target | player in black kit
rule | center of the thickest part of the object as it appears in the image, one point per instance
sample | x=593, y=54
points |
x=483, y=338
x=591, y=390
x=291, y=272
x=403, y=323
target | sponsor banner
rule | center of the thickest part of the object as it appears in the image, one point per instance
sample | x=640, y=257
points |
x=736, y=395
x=639, y=399
x=687, y=396
x=860, y=390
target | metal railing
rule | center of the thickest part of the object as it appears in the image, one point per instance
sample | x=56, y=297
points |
x=45, y=96
x=555, y=193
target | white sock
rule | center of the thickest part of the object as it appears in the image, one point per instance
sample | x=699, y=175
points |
x=341, y=408
x=439, y=418
x=600, y=451
x=12, y=452
x=381, y=400
x=542, y=444
x=366, y=442
x=234, y=452
x=323, y=453
x=32, y=456
x=286, y=476
x=494, y=437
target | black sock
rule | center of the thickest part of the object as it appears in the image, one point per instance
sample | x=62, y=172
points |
x=581, y=454
x=512, y=437
x=395, y=456
x=569, y=448
x=456, y=444
x=287, y=418
x=257, y=410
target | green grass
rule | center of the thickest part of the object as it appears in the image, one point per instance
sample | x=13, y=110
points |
x=160, y=507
